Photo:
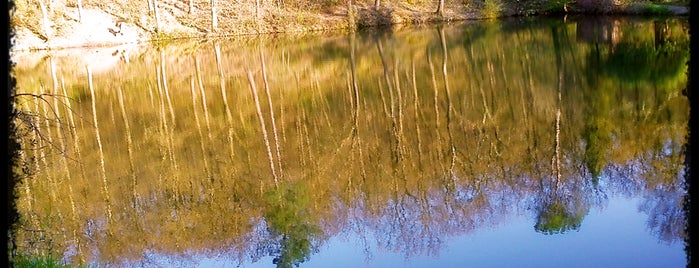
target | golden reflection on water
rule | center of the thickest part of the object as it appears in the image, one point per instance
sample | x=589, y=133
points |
x=272, y=146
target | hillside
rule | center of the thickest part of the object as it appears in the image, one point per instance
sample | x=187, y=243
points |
x=56, y=24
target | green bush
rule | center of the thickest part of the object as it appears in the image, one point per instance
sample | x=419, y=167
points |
x=492, y=8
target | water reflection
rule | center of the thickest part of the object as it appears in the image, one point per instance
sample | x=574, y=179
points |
x=271, y=147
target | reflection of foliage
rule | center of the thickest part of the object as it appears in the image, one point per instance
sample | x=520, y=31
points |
x=287, y=216
x=645, y=61
x=634, y=62
x=596, y=144
x=500, y=112
x=557, y=219
x=596, y=133
x=666, y=218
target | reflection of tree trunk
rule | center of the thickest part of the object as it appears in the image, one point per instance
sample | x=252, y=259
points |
x=264, y=128
x=203, y=97
x=396, y=155
x=69, y=180
x=436, y=108
x=452, y=148
x=416, y=107
x=165, y=125
x=660, y=32
x=129, y=148
x=355, y=91
x=271, y=112
x=26, y=182
x=400, y=134
x=357, y=143
x=166, y=88
x=556, y=161
x=47, y=138
x=73, y=129
x=201, y=135
x=226, y=106
x=29, y=181
x=105, y=187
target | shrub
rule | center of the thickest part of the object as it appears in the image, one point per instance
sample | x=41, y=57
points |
x=492, y=8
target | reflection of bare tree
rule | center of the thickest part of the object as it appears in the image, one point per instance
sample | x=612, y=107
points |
x=452, y=147
x=403, y=180
x=271, y=112
x=253, y=88
x=224, y=96
x=666, y=217
x=105, y=186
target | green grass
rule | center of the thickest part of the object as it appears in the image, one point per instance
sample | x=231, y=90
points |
x=671, y=3
x=24, y=261
x=655, y=9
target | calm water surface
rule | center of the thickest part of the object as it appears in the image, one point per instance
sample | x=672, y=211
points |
x=537, y=142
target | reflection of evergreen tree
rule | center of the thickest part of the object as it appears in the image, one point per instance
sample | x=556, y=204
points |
x=288, y=217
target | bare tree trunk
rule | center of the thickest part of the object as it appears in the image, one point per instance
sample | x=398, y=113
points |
x=214, y=19
x=377, y=4
x=440, y=8
x=191, y=6
x=350, y=14
x=150, y=6
x=45, y=19
x=157, y=15
x=80, y=10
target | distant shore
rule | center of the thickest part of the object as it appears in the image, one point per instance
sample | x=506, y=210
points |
x=101, y=26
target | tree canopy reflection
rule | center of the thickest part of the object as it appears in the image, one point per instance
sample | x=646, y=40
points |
x=270, y=147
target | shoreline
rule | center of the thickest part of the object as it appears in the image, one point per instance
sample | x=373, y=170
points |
x=97, y=28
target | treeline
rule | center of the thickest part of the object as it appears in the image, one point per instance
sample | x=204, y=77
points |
x=165, y=19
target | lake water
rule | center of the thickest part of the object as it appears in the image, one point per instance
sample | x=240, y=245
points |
x=544, y=142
